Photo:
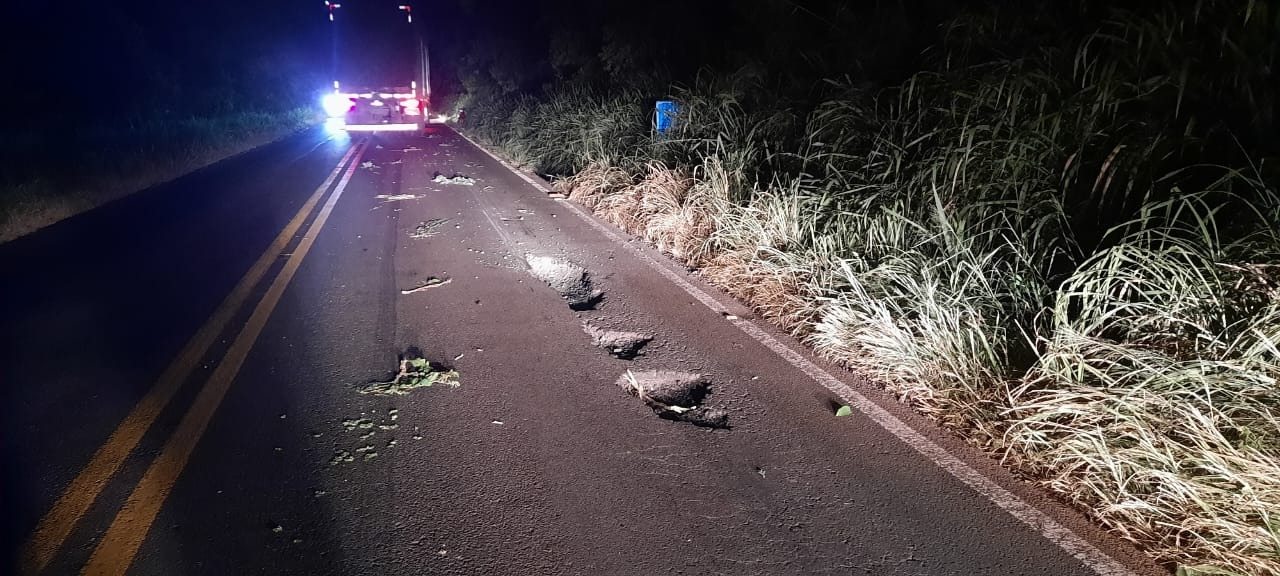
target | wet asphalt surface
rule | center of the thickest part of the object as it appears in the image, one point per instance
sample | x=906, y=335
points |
x=537, y=463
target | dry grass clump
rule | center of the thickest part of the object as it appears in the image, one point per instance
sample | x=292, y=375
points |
x=758, y=258
x=591, y=184
x=772, y=290
x=665, y=206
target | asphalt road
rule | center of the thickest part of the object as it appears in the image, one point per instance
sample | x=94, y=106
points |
x=268, y=458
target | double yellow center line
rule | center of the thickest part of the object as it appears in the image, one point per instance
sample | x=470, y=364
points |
x=116, y=550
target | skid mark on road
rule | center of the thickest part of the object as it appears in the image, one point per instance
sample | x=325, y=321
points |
x=1042, y=523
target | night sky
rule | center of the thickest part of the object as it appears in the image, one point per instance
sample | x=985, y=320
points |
x=137, y=58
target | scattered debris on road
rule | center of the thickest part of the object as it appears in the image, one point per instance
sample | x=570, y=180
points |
x=366, y=428
x=675, y=396
x=396, y=197
x=429, y=283
x=570, y=280
x=367, y=165
x=624, y=345
x=353, y=423
x=428, y=228
x=415, y=372
x=455, y=179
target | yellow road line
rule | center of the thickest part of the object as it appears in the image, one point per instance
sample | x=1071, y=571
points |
x=56, y=525
x=120, y=544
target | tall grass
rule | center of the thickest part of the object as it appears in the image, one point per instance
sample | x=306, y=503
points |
x=1071, y=256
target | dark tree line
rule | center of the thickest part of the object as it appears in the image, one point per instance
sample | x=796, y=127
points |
x=521, y=47
x=93, y=62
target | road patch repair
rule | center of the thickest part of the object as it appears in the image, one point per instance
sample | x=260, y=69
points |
x=624, y=345
x=675, y=396
x=455, y=179
x=573, y=282
x=415, y=372
x=428, y=228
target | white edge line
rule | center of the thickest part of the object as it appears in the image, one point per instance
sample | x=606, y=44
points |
x=1051, y=529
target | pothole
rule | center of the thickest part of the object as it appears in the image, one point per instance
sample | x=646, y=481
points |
x=675, y=396
x=624, y=345
x=570, y=280
x=456, y=179
x=428, y=228
x=415, y=372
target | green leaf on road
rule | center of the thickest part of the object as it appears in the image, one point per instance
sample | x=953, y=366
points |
x=844, y=411
x=414, y=373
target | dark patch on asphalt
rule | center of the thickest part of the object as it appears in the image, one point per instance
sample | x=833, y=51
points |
x=675, y=396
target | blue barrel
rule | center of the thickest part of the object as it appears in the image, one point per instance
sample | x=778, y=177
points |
x=664, y=117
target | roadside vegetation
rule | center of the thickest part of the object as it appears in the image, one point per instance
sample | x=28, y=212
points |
x=1057, y=234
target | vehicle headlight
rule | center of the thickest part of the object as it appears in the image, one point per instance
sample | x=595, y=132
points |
x=335, y=105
